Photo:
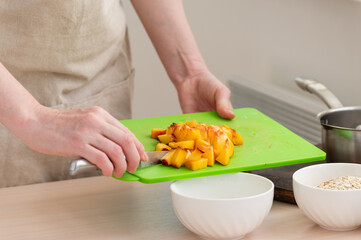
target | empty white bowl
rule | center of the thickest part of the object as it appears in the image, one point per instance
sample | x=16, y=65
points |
x=338, y=210
x=223, y=206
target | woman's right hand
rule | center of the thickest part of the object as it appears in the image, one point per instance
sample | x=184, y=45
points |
x=91, y=133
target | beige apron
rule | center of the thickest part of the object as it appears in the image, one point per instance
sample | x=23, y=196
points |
x=68, y=54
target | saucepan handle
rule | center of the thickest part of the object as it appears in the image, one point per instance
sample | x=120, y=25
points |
x=320, y=90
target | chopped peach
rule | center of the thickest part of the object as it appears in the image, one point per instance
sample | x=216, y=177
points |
x=214, y=127
x=186, y=133
x=175, y=129
x=167, y=158
x=156, y=132
x=162, y=147
x=223, y=158
x=196, y=164
x=209, y=154
x=170, y=129
x=237, y=139
x=211, y=135
x=179, y=157
x=219, y=142
x=229, y=131
x=189, y=153
x=230, y=147
x=195, y=143
x=194, y=134
x=195, y=155
x=203, y=130
x=166, y=138
x=192, y=123
x=183, y=144
x=202, y=145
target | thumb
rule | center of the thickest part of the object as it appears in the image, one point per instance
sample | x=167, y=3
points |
x=223, y=103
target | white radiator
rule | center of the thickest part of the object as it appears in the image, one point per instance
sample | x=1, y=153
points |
x=295, y=112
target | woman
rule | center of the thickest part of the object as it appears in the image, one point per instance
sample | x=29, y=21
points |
x=61, y=58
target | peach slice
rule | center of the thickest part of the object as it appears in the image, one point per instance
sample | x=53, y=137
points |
x=166, y=138
x=196, y=164
x=219, y=142
x=237, y=139
x=156, y=132
x=195, y=155
x=223, y=158
x=192, y=123
x=167, y=158
x=183, y=144
x=202, y=145
x=179, y=157
x=209, y=154
x=162, y=147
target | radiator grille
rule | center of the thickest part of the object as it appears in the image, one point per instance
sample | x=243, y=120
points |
x=297, y=113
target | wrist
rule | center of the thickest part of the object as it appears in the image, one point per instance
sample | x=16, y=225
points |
x=17, y=106
x=20, y=121
x=188, y=67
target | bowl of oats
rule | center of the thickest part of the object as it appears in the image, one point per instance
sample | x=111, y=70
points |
x=330, y=194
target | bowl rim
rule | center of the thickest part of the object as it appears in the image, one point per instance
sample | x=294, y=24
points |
x=322, y=189
x=271, y=189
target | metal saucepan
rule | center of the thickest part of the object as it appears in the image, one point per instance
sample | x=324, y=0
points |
x=341, y=132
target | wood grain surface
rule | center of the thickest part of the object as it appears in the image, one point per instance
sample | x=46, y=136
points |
x=104, y=208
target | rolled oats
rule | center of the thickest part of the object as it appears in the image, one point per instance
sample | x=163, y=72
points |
x=342, y=183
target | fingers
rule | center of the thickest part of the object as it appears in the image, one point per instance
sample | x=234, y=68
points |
x=100, y=159
x=115, y=155
x=114, y=149
x=124, y=140
x=223, y=103
x=138, y=145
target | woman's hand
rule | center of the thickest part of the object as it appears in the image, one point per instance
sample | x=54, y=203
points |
x=91, y=133
x=204, y=92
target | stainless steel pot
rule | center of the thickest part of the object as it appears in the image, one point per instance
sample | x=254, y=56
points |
x=341, y=126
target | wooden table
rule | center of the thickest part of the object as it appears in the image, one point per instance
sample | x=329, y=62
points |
x=105, y=208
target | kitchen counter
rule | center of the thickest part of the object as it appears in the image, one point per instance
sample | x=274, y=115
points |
x=105, y=208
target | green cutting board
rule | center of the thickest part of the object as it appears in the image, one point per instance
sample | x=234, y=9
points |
x=266, y=144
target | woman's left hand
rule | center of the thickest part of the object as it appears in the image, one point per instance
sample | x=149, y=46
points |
x=204, y=92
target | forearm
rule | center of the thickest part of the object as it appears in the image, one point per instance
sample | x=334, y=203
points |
x=17, y=106
x=167, y=27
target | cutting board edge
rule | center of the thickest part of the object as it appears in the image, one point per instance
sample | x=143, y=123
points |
x=232, y=170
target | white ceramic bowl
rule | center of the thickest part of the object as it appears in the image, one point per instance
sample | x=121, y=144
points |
x=338, y=210
x=223, y=206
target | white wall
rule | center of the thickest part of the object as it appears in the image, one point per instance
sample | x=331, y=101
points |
x=262, y=40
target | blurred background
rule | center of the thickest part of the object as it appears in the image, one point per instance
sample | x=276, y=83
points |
x=264, y=44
